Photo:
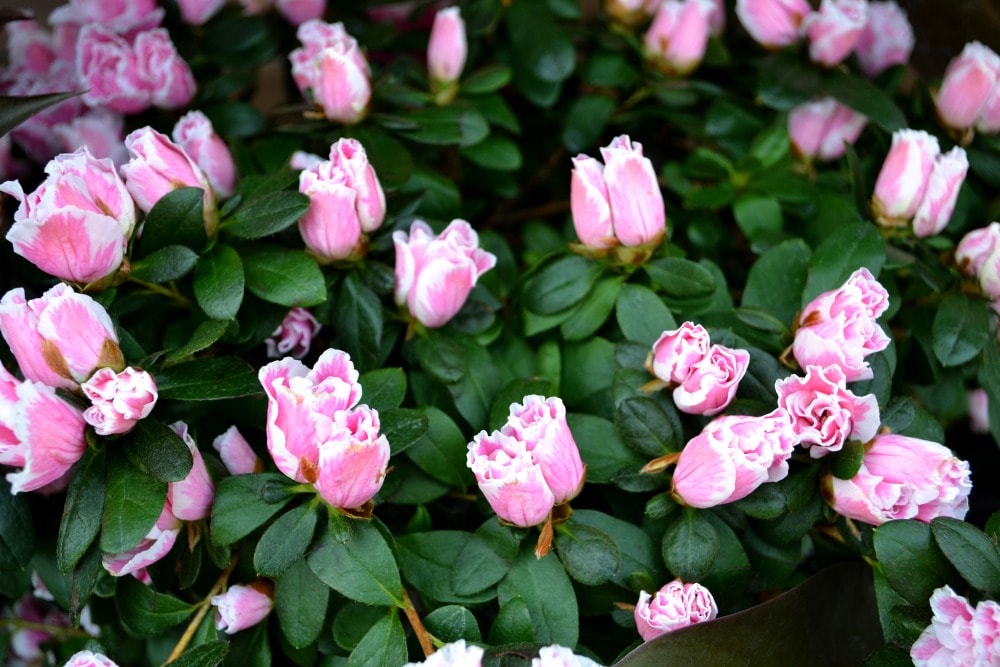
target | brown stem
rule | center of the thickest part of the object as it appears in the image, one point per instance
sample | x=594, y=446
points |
x=661, y=463
x=424, y=637
x=205, y=605
x=544, y=538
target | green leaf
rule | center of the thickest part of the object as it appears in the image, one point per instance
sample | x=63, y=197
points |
x=157, y=450
x=540, y=45
x=777, y=278
x=284, y=277
x=560, y=284
x=478, y=565
x=15, y=109
x=973, y=554
x=961, y=328
x=548, y=593
x=384, y=644
x=176, y=219
x=600, y=447
x=17, y=536
x=644, y=426
x=473, y=393
x=758, y=217
x=846, y=463
x=353, y=621
x=911, y=560
x=208, y=379
x=494, y=152
x=681, y=278
x=428, y=560
x=591, y=314
x=441, y=451
x=589, y=555
x=218, y=282
x=785, y=82
x=263, y=216
x=285, y=541
x=640, y=556
x=240, y=507
x=690, y=546
x=585, y=122
x=402, y=427
x=81, y=518
x=486, y=80
x=133, y=502
x=866, y=98
x=362, y=568
x=451, y=623
x=146, y=612
x=300, y=600
x=203, y=655
x=358, y=314
x=168, y=263
x=441, y=126
x=512, y=624
x=849, y=247
x=383, y=388
x=207, y=333
x=642, y=316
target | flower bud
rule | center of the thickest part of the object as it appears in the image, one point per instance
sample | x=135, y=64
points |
x=447, y=48
x=969, y=82
x=675, y=353
x=976, y=247
x=294, y=335
x=773, y=23
x=902, y=181
x=236, y=453
x=352, y=462
x=979, y=411
x=711, y=385
x=677, y=39
x=331, y=72
x=242, y=607
x=675, y=606
x=191, y=498
x=943, y=186
x=197, y=12
x=819, y=129
x=118, y=400
x=541, y=424
x=297, y=12
x=196, y=136
x=886, y=40
x=435, y=274
x=834, y=30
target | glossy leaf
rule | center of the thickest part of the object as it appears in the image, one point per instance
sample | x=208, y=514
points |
x=361, y=568
x=218, y=282
x=285, y=540
x=240, y=506
x=133, y=502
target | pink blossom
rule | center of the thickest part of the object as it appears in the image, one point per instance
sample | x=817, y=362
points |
x=677, y=605
x=100, y=130
x=435, y=274
x=60, y=338
x=976, y=247
x=943, y=186
x=196, y=136
x=902, y=181
x=119, y=17
x=455, y=654
x=958, y=634
x=168, y=77
x=297, y=12
x=118, y=400
x=155, y=545
x=31, y=48
x=675, y=353
x=979, y=411
x=902, y=478
x=197, y=12
x=109, y=71
x=236, y=453
x=819, y=129
x=89, y=659
x=77, y=224
x=331, y=72
x=294, y=335
x=712, y=383
x=968, y=84
x=447, y=46
x=242, y=607
x=191, y=498
x=886, y=40
x=773, y=23
x=732, y=457
x=825, y=414
x=677, y=39
x=834, y=30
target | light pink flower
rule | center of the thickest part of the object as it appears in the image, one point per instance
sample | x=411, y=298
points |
x=712, y=383
x=89, y=659
x=886, y=40
x=60, y=338
x=294, y=335
x=903, y=478
x=903, y=179
x=677, y=605
x=100, y=130
x=317, y=433
x=242, y=607
x=236, y=453
x=968, y=84
x=979, y=411
x=560, y=656
x=118, y=400
x=155, y=545
x=435, y=274
x=677, y=39
x=77, y=224
x=954, y=636
x=39, y=432
x=35, y=134
x=943, y=186
x=197, y=12
x=455, y=654
x=303, y=160
x=840, y=328
x=119, y=17
x=676, y=352
x=109, y=71
x=834, y=30
x=824, y=413
x=191, y=498
x=168, y=77
x=732, y=457
x=773, y=23
x=820, y=128
x=976, y=247
x=297, y=12
x=331, y=72
x=31, y=48
x=447, y=46
x=194, y=133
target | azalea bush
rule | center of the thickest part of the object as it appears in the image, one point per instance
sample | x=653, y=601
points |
x=497, y=332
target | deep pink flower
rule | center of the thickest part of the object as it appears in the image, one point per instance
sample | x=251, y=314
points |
x=677, y=605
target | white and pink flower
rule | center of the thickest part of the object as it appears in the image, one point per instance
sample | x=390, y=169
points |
x=677, y=605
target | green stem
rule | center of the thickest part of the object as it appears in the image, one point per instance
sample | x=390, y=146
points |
x=169, y=292
x=57, y=631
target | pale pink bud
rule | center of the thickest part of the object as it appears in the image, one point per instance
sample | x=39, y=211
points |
x=589, y=203
x=711, y=385
x=294, y=335
x=677, y=605
x=541, y=424
x=902, y=181
x=510, y=479
x=834, y=29
x=435, y=274
x=331, y=72
x=39, y=432
x=633, y=193
x=455, y=654
x=155, y=545
x=886, y=40
x=732, y=457
x=968, y=83
x=559, y=656
x=353, y=458
x=303, y=160
x=194, y=133
x=989, y=276
x=903, y=478
x=979, y=411
x=773, y=23
x=297, y=12
x=101, y=131
x=678, y=36
x=820, y=128
x=170, y=81
x=349, y=159
x=120, y=17
x=824, y=413
x=191, y=498
x=60, y=338
x=975, y=247
x=989, y=117
x=242, y=607
x=943, y=186
x=197, y=12
x=90, y=659
x=676, y=352
x=447, y=47
x=77, y=224
x=109, y=71
x=950, y=639
x=118, y=400
x=302, y=405
x=236, y=453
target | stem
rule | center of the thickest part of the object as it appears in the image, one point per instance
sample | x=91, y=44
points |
x=56, y=631
x=168, y=292
x=424, y=637
x=204, y=605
